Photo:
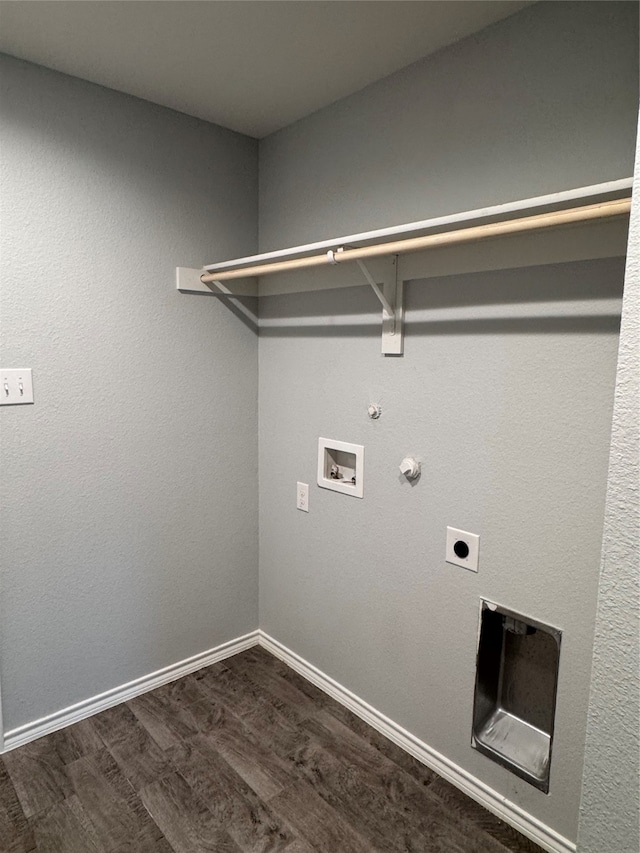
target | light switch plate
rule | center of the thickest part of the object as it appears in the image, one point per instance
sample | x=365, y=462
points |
x=463, y=548
x=16, y=386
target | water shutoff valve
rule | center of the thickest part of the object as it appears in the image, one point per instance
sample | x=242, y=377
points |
x=410, y=467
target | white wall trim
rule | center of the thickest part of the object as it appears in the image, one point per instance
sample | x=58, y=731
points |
x=495, y=802
x=462, y=779
x=88, y=707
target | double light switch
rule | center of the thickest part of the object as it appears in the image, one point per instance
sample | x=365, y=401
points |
x=16, y=386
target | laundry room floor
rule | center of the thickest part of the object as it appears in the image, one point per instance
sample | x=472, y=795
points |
x=244, y=756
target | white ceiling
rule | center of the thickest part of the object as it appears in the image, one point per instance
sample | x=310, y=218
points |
x=251, y=65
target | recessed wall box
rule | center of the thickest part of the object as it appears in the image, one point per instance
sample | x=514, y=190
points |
x=341, y=467
x=515, y=695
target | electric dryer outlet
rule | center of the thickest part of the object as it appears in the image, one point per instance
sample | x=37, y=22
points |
x=462, y=549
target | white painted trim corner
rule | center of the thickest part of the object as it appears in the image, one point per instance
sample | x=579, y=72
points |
x=88, y=707
x=493, y=801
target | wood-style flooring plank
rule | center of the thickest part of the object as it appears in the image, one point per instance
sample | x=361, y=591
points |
x=255, y=763
x=277, y=731
x=38, y=776
x=138, y=755
x=355, y=751
x=167, y=721
x=385, y=804
x=299, y=846
x=433, y=803
x=185, y=820
x=477, y=819
x=420, y=772
x=362, y=805
x=412, y=809
x=267, y=678
x=64, y=828
x=237, y=808
x=15, y=834
x=145, y=844
x=317, y=823
x=319, y=697
x=420, y=819
x=25, y=844
x=183, y=691
x=323, y=702
x=172, y=726
x=110, y=803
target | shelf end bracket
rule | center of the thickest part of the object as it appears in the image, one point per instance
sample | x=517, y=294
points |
x=390, y=296
x=189, y=280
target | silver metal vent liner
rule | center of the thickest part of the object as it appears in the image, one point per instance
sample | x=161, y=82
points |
x=515, y=693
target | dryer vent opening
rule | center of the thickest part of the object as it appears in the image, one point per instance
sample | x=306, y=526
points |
x=515, y=692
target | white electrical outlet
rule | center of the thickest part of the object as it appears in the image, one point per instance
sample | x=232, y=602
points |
x=463, y=549
x=302, y=496
x=16, y=386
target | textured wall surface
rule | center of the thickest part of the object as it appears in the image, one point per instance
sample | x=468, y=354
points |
x=505, y=390
x=129, y=537
x=609, y=818
x=543, y=101
x=505, y=394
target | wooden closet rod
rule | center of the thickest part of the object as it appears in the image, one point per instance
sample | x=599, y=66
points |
x=619, y=207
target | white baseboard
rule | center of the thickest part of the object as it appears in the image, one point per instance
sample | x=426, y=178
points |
x=496, y=803
x=88, y=707
x=462, y=779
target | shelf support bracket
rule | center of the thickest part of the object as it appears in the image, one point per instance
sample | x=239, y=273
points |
x=189, y=281
x=390, y=296
x=391, y=312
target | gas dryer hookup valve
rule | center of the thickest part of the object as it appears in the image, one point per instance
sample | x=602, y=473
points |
x=410, y=467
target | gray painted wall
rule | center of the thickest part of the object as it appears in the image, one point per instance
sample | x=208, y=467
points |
x=505, y=394
x=610, y=818
x=129, y=543
x=129, y=539
x=543, y=101
x=505, y=391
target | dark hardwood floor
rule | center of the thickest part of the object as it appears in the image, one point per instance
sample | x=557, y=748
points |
x=243, y=756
